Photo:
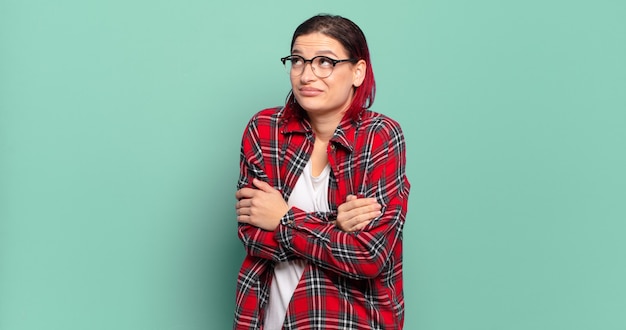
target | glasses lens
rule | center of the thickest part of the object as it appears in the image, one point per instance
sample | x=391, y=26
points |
x=294, y=65
x=322, y=66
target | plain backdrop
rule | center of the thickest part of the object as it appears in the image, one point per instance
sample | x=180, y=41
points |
x=120, y=124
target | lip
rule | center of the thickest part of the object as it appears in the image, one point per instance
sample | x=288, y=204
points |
x=309, y=91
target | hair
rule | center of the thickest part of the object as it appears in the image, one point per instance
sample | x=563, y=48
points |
x=352, y=38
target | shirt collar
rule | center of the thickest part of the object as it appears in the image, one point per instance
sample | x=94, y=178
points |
x=343, y=136
x=293, y=124
x=345, y=132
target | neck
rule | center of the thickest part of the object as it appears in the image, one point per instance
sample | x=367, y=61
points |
x=324, y=126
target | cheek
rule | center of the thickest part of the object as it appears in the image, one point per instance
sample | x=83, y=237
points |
x=293, y=81
x=342, y=88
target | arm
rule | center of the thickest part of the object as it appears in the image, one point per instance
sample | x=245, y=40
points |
x=264, y=207
x=257, y=242
x=362, y=254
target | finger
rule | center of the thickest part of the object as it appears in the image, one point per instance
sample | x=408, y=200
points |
x=264, y=186
x=362, y=202
x=366, y=201
x=243, y=211
x=362, y=218
x=357, y=227
x=361, y=226
x=353, y=203
x=352, y=222
x=368, y=207
x=244, y=202
x=243, y=218
x=245, y=193
x=359, y=220
x=364, y=210
x=373, y=215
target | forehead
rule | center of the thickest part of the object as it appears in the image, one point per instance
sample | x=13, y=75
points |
x=314, y=44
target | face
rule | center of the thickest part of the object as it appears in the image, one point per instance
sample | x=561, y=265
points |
x=330, y=95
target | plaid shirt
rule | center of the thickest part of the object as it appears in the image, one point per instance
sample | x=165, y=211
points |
x=351, y=280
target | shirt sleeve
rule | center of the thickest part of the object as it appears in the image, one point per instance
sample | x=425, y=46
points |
x=363, y=254
x=257, y=242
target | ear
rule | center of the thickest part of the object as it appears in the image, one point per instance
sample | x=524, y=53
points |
x=360, y=68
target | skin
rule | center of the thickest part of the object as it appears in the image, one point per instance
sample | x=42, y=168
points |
x=325, y=101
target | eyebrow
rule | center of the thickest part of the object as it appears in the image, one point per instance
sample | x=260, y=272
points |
x=318, y=53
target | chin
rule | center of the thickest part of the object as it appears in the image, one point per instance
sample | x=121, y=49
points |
x=310, y=105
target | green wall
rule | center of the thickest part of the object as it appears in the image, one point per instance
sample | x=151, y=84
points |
x=119, y=142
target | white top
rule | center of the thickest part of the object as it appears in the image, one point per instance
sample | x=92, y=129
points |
x=310, y=194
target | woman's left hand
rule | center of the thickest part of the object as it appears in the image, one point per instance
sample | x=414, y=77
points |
x=262, y=207
x=356, y=213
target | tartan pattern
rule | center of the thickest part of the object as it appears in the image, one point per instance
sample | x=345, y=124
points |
x=352, y=280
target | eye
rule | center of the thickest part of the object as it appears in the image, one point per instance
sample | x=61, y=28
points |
x=324, y=62
x=296, y=60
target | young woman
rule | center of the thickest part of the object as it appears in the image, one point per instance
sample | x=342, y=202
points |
x=322, y=195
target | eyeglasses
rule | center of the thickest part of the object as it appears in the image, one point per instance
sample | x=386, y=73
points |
x=322, y=66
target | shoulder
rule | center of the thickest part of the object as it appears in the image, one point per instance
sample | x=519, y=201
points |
x=378, y=123
x=266, y=118
x=267, y=115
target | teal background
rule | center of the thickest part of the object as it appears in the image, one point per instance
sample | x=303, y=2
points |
x=120, y=124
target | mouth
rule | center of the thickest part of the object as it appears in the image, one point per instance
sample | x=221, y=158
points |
x=309, y=91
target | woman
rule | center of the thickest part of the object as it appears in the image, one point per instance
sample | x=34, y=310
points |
x=322, y=195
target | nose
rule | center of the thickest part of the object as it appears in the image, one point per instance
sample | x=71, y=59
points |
x=307, y=73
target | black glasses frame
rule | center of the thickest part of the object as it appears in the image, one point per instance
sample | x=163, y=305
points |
x=332, y=60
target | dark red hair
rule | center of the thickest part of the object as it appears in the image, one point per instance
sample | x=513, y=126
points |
x=353, y=40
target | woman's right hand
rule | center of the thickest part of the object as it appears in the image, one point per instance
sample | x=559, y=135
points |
x=356, y=213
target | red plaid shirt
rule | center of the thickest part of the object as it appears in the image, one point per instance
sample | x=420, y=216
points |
x=351, y=280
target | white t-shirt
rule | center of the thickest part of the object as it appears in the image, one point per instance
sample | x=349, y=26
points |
x=310, y=194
